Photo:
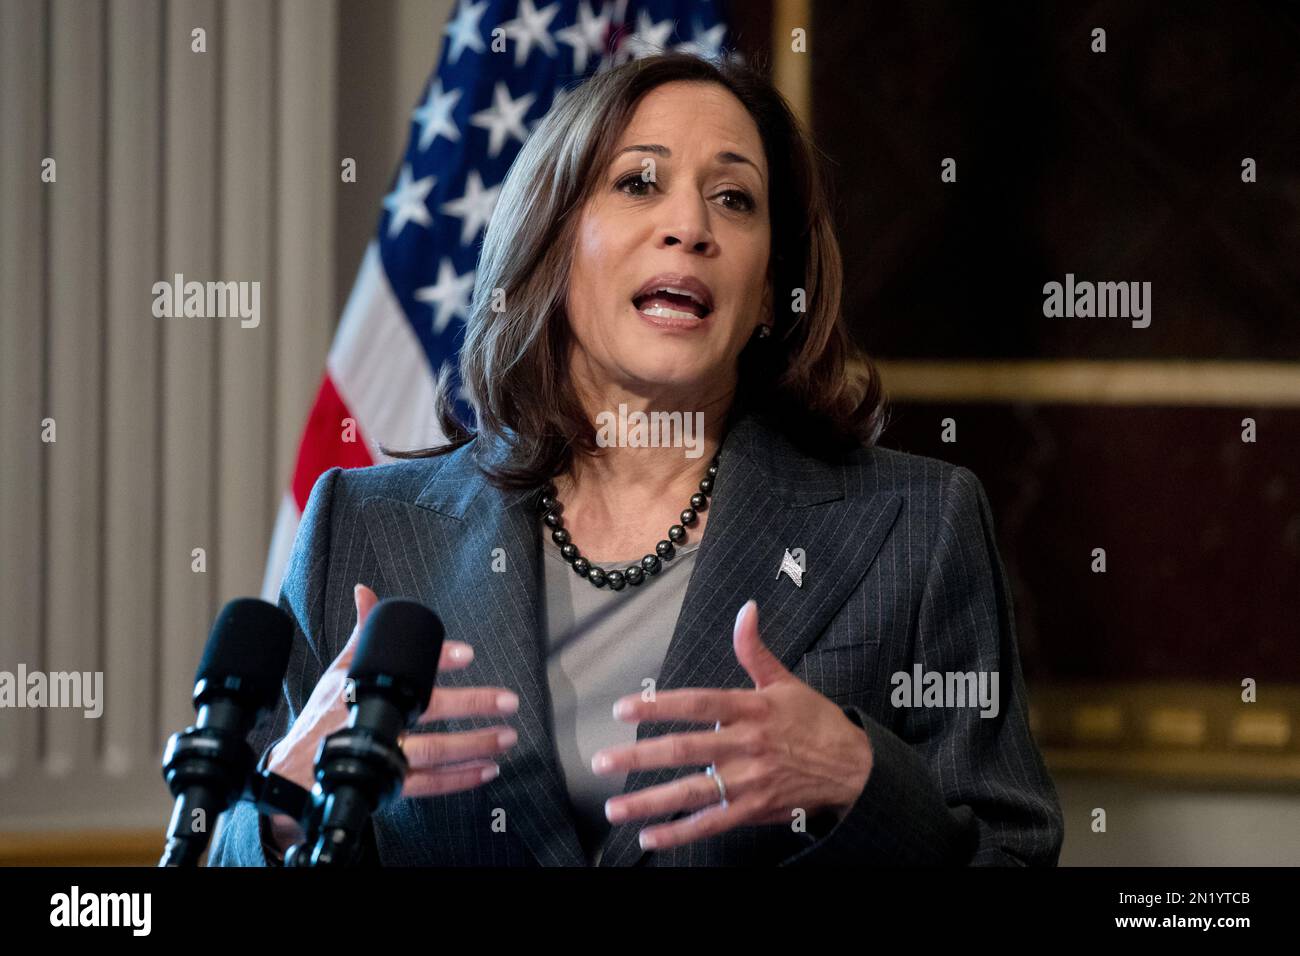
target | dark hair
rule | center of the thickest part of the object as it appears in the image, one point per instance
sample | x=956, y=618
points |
x=808, y=378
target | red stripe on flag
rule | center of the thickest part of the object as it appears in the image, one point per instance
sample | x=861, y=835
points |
x=323, y=446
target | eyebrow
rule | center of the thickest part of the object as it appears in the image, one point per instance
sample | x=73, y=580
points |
x=726, y=156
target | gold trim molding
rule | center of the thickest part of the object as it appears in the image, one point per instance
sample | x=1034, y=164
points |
x=791, y=71
x=1176, y=732
x=1069, y=381
x=82, y=848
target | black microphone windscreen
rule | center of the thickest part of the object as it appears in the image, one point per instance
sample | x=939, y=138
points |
x=401, y=639
x=248, y=651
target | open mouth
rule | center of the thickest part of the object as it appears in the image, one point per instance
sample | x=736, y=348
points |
x=670, y=302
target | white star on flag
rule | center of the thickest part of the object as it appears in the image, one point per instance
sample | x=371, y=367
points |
x=587, y=36
x=464, y=30
x=406, y=201
x=707, y=44
x=531, y=27
x=503, y=118
x=450, y=294
x=649, y=37
x=790, y=567
x=434, y=115
x=473, y=209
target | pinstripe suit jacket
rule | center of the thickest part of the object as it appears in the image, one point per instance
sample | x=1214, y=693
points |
x=901, y=568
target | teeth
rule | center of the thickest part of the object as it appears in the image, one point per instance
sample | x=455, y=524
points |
x=676, y=291
x=663, y=312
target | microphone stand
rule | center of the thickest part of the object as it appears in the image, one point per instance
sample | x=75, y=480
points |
x=199, y=764
x=356, y=771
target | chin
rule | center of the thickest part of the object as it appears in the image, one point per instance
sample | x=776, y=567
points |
x=668, y=373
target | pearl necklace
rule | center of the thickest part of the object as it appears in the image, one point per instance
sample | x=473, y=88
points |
x=666, y=550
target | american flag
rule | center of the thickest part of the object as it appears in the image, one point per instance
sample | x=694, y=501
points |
x=503, y=65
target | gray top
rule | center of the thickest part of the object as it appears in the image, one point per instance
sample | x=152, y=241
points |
x=602, y=645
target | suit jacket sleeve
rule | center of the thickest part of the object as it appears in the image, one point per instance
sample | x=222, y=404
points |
x=302, y=596
x=947, y=786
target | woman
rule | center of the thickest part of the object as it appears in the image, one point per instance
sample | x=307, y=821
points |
x=663, y=243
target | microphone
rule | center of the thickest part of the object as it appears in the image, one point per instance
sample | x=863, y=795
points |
x=207, y=765
x=361, y=767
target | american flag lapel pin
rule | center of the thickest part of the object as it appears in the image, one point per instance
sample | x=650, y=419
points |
x=791, y=568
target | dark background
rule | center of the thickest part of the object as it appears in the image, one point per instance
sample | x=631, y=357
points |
x=1123, y=165
x=1115, y=166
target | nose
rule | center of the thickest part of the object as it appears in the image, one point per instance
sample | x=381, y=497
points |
x=686, y=224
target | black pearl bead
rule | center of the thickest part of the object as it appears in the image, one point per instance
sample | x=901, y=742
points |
x=551, y=509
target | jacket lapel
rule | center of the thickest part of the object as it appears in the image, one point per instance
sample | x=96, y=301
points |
x=768, y=497
x=443, y=550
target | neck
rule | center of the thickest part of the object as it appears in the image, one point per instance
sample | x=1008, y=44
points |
x=629, y=472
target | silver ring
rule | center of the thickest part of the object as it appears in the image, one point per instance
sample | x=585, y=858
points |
x=712, y=771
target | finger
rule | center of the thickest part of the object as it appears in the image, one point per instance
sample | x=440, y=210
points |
x=675, y=750
x=365, y=600
x=424, y=751
x=455, y=656
x=696, y=705
x=689, y=793
x=432, y=783
x=708, y=822
x=763, y=667
x=450, y=702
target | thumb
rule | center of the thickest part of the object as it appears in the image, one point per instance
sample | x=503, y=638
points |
x=365, y=600
x=763, y=667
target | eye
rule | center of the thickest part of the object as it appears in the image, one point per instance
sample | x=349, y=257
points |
x=740, y=200
x=633, y=181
